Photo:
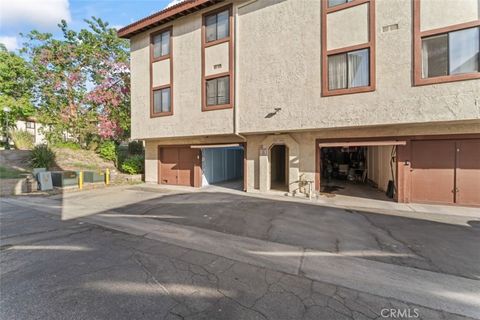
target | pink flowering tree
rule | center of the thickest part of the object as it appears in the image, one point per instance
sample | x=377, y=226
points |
x=82, y=90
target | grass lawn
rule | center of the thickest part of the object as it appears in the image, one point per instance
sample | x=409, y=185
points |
x=10, y=173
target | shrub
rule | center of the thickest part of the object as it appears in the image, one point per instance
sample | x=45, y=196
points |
x=72, y=145
x=135, y=147
x=22, y=140
x=133, y=164
x=108, y=150
x=122, y=154
x=42, y=157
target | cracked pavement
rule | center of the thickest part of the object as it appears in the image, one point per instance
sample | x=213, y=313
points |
x=413, y=242
x=54, y=269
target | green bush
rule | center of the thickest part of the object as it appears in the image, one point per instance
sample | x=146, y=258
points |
x=42, y=157
x=135, y=147
x=108, y=150
x=122, y=154
x=133, y=164
x=22, y=140
x=72, y=145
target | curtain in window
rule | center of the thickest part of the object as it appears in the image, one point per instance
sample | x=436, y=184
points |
x=212, y=92
x=223, y=90
x=358, y=69
x=165, y=43
x=222, y=24
x=337, y=71
x=166, y=100
x=211, y=28
x=463, y=51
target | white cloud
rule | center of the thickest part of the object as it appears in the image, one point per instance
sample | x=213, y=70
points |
x=44, y=14
x=10, y=42
x=172, y=3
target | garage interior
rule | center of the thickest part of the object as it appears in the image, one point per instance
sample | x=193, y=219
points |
x=359, y=171
x=223, y=166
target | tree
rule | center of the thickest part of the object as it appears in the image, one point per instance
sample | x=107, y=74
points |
x=16, y=85
x=83, y=85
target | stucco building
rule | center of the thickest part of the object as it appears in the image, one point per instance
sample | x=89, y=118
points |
x=333, y=94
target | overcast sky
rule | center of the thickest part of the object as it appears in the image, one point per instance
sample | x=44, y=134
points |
x=24, y=15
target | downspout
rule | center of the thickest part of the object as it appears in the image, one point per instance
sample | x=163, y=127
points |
x=235, y=109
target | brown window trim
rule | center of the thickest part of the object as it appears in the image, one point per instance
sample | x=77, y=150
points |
x=170, y=85
x=230, y=72
x=218, y=106
x=165, y=56
x=417, y=50
x=161, y=114
x=326, y=92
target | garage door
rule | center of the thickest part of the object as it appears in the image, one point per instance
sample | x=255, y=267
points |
x=178, y=166
x=433, y=171
x=446, y=171
x=468, y=172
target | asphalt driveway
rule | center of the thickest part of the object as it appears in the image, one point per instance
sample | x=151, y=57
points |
x=149, y=252
x=54, y=269
x=446, y=247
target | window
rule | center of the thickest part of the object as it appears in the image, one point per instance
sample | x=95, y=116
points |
x=30, y=125
x=451, y=53
x=161, y=101
x=333, y=3
x=161, y=44
x=217, y=26
x=218, y=91
x=349, y=70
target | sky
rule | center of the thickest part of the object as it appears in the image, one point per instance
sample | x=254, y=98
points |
x=43, y=15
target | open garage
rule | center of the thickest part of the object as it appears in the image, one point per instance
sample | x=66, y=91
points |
x=222, y=165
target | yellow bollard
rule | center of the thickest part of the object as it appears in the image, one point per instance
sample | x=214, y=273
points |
x=107, y=176
x=80, y=180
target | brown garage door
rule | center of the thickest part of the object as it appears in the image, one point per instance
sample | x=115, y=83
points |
x=178, y=166
x=446, y=171
x=433, y=171
x=468, y=172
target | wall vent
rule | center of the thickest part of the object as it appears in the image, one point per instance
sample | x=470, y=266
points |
x=390, y=27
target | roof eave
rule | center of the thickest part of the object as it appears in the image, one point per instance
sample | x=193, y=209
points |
x=164, y=16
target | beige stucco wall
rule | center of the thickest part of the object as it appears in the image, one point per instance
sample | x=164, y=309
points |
x=161, y=73
x=444, y=13
x=276, y=70
x=188, y=118
x=217, y=55
x=347, y=27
